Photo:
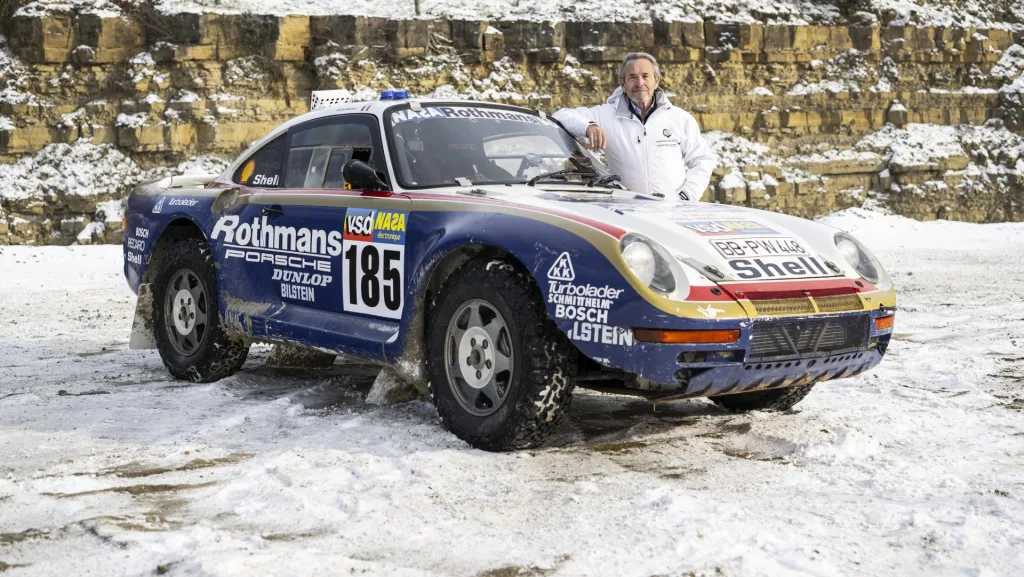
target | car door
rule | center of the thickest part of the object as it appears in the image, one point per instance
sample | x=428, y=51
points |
x=332, y=259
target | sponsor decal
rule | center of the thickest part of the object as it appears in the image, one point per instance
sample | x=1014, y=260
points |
x=604, y=334
x=586, y=305
x=373, y=272
x=561, y=269
x=306, y=278
x=787, y=267
x=182, y=202
x=301, y=256
x=247, y=171
x=298, y=293
x=260, y=234
x=159, y=206
x=755, y=247
x=304, y=249
x=135, y=241
x=727, y=227
x=430, y=112
x=264, y=180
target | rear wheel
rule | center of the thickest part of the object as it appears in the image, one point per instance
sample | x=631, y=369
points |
x=770, y=400
x=500, y=371
x=189, y=334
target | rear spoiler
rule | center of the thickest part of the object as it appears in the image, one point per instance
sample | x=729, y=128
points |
x=171, y=182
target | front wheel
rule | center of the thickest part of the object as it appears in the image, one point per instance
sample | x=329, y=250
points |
x=189, y=334
x=500, y=371
x=770, y=400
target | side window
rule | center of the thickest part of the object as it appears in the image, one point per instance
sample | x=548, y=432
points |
x=264, y=168
x=319, y=149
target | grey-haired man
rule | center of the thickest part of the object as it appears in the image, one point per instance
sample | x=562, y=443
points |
x=654, y=146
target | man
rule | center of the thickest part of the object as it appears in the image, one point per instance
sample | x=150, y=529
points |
x=655, y=147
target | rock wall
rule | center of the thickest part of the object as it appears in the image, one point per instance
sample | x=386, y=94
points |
x=801, y=101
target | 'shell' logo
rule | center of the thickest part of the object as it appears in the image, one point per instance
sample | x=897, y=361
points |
x=248, y=170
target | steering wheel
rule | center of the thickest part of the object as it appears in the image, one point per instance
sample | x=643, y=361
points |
x=530, y=159
x=441, y=166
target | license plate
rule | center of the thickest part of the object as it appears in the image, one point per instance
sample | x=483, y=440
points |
x=735, y=248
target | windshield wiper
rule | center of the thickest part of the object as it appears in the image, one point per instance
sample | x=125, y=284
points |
x=606, y=179
x=565, y=172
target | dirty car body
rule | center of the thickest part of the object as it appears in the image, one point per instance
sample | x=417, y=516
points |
x=346, y=230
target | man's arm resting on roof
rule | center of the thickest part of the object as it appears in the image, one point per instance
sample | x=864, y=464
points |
x=700, y=161
x=576, y=120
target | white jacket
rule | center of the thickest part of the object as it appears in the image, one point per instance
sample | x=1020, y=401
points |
x=667, y=156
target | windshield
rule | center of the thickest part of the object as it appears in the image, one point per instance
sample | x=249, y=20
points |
x=482, y=144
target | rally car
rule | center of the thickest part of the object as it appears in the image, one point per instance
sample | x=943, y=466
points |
x=489, y=259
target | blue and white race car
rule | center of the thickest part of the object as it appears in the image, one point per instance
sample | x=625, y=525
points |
x=490, y=260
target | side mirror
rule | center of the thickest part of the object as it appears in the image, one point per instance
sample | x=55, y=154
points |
x=363, y=176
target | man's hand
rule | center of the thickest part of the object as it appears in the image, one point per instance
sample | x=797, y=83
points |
x=597, y=137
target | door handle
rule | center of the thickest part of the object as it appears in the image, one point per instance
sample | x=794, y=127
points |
x=272, y=211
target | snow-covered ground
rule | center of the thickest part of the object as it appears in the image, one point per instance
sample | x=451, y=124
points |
x=108, y=467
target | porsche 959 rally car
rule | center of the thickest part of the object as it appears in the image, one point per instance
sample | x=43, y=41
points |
x=485, y=255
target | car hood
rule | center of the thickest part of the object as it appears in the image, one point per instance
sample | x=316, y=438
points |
x=726, y=243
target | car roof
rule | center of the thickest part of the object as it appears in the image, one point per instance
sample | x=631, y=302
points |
x=375, y=107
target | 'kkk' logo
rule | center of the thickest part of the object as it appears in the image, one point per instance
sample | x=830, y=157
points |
x=562, y=268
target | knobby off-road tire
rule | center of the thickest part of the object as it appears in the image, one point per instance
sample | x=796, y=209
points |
x=770, y=400
x=501, y=373
x=189, y=333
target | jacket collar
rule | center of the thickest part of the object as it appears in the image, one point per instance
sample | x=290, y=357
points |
x=620, y=101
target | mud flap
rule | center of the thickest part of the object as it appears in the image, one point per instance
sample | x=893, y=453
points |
x=143, y=336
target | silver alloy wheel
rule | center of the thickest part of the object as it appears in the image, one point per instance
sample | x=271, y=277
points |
x=185, y=312
x=479, y=357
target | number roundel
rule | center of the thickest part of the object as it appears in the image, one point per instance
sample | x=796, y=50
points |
x=374, y=270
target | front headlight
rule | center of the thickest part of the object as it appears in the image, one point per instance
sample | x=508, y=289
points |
x=859, y=258
x=654, y=266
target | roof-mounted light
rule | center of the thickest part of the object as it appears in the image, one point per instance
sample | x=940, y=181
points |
x=394, y=95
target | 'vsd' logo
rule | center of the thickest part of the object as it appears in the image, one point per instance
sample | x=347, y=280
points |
x=359, y=224
x=562, y=268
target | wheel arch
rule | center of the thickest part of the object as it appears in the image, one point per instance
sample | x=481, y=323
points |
x=143, y=335
x=410, y=363
x=177, y=230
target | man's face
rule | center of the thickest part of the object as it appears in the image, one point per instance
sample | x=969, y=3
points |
x=640, y=82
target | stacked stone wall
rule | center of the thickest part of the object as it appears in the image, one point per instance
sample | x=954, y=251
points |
x=164, y=87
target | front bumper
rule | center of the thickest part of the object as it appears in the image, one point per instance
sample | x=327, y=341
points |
x=812, y=349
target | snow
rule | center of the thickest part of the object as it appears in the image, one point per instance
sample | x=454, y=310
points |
x=107, y=466
x=87, y=169
x=76, y=169
x=917, y=145
x=13, y=76
x=85, y=237
x=971, y=13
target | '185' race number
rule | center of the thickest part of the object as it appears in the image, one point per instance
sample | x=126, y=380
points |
x=374, y=252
